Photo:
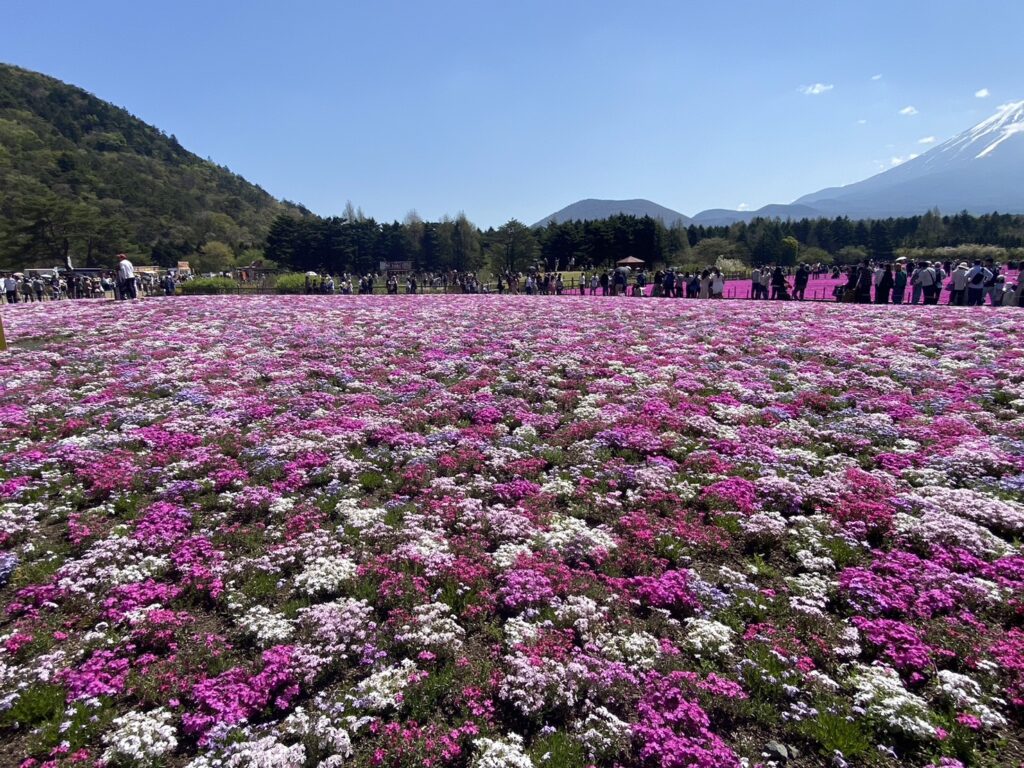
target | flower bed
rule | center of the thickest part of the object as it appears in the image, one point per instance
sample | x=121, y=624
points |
x=451, y=531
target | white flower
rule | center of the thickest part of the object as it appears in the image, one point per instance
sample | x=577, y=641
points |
x=708, y=636
x=433, y=626
x=572, y=535
x=383, y=689
x=496, y=753
x=603, y=733
x=326, y=575
x=266, y=626
x=519, y=630
x=359, y=517
x=506, y=555
x=140, y=737
x=583, y=613
x=267, y=752
x=881, y=693
x=639, y=649
x=321, y=731
x=966, y=694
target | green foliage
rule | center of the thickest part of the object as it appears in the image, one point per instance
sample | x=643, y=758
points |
x=208, y=286
x=80, y=177
x=559, y=749
x=291, y=282
x=214, y=256
x=837, y=733
x=36, y=704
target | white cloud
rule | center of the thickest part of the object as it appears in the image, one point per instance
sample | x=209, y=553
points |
x=982, y=94
x=876, y=77
x=927, y=140
x=815, y=90
x=908, y=111
x=862, y=121
x=899, y=159
x=742, y=207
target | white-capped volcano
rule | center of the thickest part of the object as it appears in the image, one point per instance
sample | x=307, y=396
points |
x=980, y=171
x=984, y=138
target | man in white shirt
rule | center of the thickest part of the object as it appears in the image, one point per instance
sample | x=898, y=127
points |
x=126, y=276
x=959, y=277
x=977, y=276
x=926, y=278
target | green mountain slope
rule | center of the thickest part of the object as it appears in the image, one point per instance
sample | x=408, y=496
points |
x=81, y=177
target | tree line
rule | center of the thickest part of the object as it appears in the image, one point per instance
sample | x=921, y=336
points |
x=357, y=244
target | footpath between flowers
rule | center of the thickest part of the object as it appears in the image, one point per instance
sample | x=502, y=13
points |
x=482, y=531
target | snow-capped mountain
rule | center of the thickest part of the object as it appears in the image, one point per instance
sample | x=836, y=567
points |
x=980, y=170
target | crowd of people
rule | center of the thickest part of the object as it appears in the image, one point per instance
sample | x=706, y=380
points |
x=52, y=285
x=21, y=288
x=896, y=282
x=925, y=282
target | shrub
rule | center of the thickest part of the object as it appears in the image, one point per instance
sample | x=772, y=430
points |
x=205, y=286
x=290, y=282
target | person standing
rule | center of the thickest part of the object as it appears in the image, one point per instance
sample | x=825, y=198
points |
x=930, y=283
x=940, y=275
x=668, y=283
x=755, y=283
x=11, y=289
x=915, y=284
x=990, y=284
x=864, y=280
x=884, y=287
x=977, y=276
x=778, y=281
x=766, y=279
x=705, y=284
x=899, y=284
x=959, y=282
x=800, y=282
x=998, y=289
x=126, y=276
x=717, y=284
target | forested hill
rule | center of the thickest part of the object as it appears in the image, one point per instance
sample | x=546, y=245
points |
x=81, y=176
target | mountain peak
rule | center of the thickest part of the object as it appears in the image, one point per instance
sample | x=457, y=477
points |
x=986, y=136
x=593, y=209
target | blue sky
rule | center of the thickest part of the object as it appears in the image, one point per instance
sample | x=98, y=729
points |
x=516, y=109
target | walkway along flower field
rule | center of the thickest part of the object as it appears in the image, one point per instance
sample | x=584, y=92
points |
x=473, y=531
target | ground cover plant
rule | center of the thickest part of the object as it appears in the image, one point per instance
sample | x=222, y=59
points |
x=483, y=531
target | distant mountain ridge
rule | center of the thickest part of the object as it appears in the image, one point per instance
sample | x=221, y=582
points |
x=592, y=209
x=979, y=171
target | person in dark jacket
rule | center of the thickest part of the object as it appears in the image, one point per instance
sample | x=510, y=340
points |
x=800, y=282
x=864, y=283
x=884, y=287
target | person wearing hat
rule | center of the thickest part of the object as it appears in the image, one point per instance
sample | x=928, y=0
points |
x=998, y=289
x=959, y=276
